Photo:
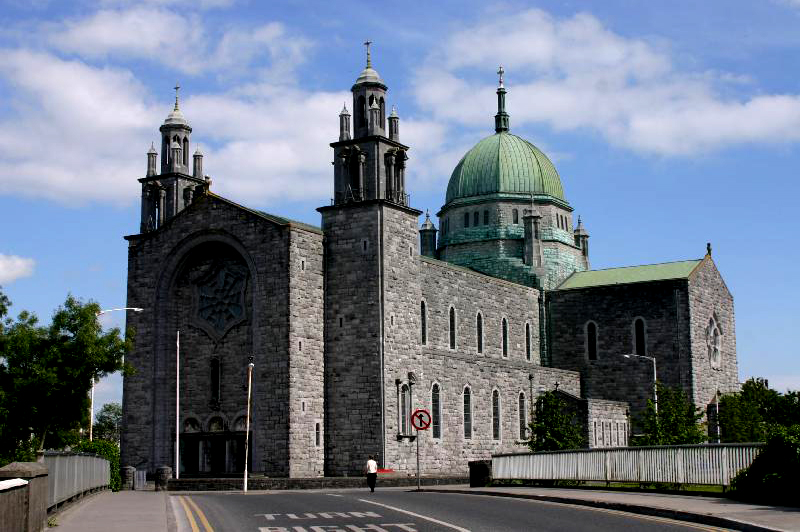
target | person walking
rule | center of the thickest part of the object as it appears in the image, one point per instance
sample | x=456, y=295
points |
x=372, y=473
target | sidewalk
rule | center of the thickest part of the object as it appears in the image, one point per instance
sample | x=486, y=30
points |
x=715, y=511
x=123, y=511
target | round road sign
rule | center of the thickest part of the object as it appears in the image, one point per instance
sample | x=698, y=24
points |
x=421, y=419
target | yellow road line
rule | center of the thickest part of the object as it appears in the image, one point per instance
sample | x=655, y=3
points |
x=200, y=514
x=189, y=515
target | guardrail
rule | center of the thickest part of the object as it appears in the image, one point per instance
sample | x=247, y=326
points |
x=71, y=474
x=680, y=464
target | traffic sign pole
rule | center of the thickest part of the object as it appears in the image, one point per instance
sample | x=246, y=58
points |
x=418, y=481
x=420, y=420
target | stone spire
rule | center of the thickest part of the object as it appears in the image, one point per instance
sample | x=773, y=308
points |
x=501, y=118
x=394, y=125
x=427, y=237
x=344, y=124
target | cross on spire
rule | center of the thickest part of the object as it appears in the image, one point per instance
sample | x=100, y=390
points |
x=369, y=60
x=177, y=87
x=500, y=73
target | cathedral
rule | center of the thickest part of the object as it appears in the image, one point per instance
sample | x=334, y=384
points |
x=353, y=325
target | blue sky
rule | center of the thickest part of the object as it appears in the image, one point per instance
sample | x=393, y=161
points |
x=672, y=124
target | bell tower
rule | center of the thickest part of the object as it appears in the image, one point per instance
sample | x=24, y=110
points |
x=369, y=163
x=167, y=193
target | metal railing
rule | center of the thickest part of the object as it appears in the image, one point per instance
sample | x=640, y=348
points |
x=70, y=474
x=680, y=464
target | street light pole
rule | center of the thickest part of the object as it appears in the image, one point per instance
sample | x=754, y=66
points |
x=250, y=367
x=91, y=391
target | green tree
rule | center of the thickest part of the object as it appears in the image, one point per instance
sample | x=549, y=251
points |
x=772, y=477
x=108, y=450
x=554, y=425
x=676, y=421
x=743, y=416
x=107, y=422
x=46, y=373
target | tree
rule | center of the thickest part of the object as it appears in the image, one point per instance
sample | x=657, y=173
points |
x=554, y=425
x=108, y=421
x=676, y=421
x=46, y=373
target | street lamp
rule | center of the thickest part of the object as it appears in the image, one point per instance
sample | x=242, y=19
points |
x=250, y=367
x=655, y=378
x=91, y=393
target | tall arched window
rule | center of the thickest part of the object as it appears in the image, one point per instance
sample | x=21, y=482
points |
x=185, y=151
x=452, y=328
x=714, y=342
x=479, y=332
x=505, y=337
x=405, y=405
x=639, y=344
x=361, y=112
x=527, y=341
x=523, y=417
x=495, y=415
x=467, y=413
x=591, y=341
x=476, y=218
x=466, y=219
x=382, y=105
x=486, y=217
x=436, y=412
x=515, y=216
x=423, y=320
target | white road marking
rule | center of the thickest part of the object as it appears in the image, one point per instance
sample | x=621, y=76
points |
x=431, y=519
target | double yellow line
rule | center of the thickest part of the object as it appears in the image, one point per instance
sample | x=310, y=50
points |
x=186, y=502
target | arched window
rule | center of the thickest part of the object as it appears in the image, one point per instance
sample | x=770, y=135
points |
x=361, y=112
x=240, y=425
x=476, y=218
x=527, y=341
x=216, y=424
x=405, y=405
x=191, y=425
x=452, y=328
x=215, y=380
x=495, y=415
x=423, y=320
x=523, y=417
x=505, y=337
x=185, y=151
x=467, y=413
x=479, y=330
x=436, y=412
x=486, y=217
x=639, y=345
x=714, y=342
x=466, y=219
x=591, y=340
x=515, y=216
x=382, y=105
x=317, y=434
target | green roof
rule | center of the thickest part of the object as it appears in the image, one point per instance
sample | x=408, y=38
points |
x=630, y=274
x=504, y=163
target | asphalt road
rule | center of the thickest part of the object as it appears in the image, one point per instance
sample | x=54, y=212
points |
x=395, y=509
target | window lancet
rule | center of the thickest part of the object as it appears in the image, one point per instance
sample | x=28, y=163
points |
x=527, y=341
x=467, y=413
x=505, y=337
x=479, y=330
x=523, y=421
x=436, y=412
x=640, y=347
x=423, y=319
x=495, y=415
x=452, y=328
x=405, y=405
x=591, y=341
x=714, y=342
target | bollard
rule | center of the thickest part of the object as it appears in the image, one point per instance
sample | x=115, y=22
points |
x=127, y=473
x=163, y=474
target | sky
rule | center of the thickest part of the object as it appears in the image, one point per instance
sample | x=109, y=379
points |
x=671, y=124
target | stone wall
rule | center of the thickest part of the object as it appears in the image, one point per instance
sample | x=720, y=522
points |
x=164, y=269
x=608, y=423
x=708, y=296
x=663, y=306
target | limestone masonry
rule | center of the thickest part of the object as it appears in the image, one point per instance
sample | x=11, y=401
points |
x=353, y=325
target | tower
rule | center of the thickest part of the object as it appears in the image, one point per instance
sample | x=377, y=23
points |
x=166, y=193
x=369, y=164
x=371, y=280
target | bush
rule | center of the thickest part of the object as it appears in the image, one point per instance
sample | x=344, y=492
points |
x=108, y=450
x=772, y=477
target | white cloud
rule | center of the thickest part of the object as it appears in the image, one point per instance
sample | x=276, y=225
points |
x=13, y=267
x=573, y=73
x=182, y=42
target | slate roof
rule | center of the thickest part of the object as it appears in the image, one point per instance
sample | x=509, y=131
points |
x=630, y=274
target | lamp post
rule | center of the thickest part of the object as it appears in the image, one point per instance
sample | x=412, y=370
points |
x=91, y=391
x=250, y=367
x=655, y=378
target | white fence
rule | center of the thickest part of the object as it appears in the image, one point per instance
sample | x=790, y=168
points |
x=70, y=474
x=680, y=464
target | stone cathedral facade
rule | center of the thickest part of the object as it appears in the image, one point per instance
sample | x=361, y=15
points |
x=354, y=324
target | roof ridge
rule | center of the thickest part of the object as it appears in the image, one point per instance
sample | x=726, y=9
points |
x=640, y=265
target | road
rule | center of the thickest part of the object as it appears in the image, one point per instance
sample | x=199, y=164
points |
x=393, y=510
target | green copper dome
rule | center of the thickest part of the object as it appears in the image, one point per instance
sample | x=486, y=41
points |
x=506, y=164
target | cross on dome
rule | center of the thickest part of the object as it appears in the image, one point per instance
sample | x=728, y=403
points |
x=500, y=73
x=177, y=87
